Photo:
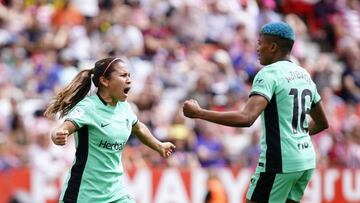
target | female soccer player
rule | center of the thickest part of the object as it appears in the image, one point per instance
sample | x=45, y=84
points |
x=101, y=124
x=284, y=94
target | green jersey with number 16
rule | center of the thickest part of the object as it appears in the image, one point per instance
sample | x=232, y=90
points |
x=285, y=144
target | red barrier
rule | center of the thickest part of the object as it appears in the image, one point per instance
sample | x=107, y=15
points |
x=175, y=185
x=13, y=180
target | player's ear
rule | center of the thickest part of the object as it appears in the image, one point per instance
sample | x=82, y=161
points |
x=103, y=81
x=274, y=47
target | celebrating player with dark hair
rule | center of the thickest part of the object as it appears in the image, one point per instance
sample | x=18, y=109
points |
x=101, y=124
x=284, y=94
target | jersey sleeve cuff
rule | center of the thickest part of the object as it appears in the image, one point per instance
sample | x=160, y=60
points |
x=73, y=122
x=135, y=123
x=261, y=94
x=315, y=104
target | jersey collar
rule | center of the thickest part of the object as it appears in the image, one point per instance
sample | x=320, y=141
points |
x=101, y=99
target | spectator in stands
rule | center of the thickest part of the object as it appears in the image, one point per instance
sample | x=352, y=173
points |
x=351, y=75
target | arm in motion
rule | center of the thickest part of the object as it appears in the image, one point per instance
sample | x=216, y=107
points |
x=244, y=118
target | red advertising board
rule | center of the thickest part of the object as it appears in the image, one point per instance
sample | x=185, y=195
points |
x=188, y=185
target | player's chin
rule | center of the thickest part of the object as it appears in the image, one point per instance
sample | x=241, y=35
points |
x=261, y=61
x=123, y=97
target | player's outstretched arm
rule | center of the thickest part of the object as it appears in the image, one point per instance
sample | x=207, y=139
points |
x=244, y=118
x=143, y=133
x=59, y=134
x=319, y=121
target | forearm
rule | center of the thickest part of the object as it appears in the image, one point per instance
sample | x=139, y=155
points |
x=145, y=136
x=244, y=118
x=231, y=118
x=314, y=128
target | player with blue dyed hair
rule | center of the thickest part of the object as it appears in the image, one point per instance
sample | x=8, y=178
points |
x=278, y=29
x=284, y=94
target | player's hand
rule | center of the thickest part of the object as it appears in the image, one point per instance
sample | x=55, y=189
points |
x=191, y=108
x=60, y=136
x=166, y=149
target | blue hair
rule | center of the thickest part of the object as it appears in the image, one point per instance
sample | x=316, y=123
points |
x=278, y=29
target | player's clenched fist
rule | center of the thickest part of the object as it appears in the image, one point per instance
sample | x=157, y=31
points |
x=59, y=136
x=191, y=108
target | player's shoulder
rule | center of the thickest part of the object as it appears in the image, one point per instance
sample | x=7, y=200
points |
x=270, y=71
x=88, y=101
x=302, y=70
x=83, y=108
x=284, y=67
x=279, y=66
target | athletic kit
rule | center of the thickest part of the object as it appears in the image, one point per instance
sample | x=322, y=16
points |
x=287, y=154
x=101, y=135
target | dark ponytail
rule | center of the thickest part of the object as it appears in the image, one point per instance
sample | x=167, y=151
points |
x=71, y=94
x=80, y=86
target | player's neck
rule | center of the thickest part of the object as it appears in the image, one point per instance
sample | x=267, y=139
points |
x=281, y=58
x=107, y=98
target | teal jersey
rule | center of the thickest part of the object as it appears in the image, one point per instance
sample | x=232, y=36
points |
x=285, y=143
x=101, y=135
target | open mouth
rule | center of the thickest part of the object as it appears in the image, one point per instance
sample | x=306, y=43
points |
x=126, y=90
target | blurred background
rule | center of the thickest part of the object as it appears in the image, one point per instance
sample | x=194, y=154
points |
x=176, y=50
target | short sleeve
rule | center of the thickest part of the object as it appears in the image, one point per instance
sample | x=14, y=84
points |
x=81, y=113
x=264, y=84
x=317, y=97
x=133, y=117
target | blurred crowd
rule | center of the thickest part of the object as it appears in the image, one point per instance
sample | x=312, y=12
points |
x=176, y=50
